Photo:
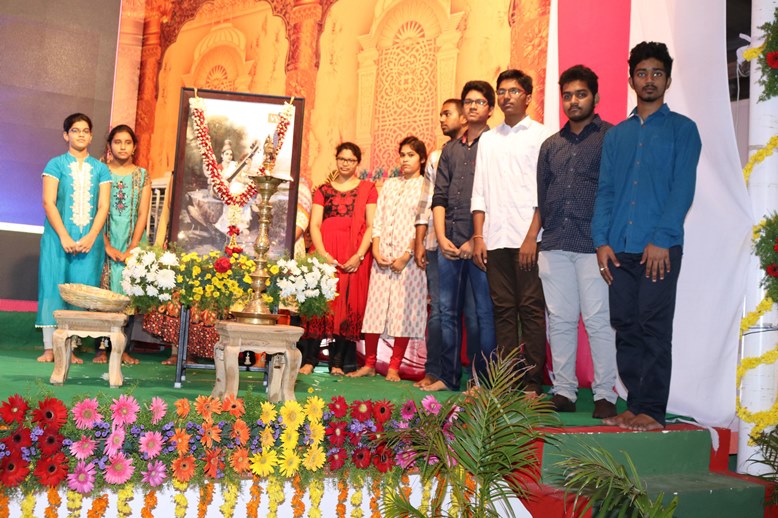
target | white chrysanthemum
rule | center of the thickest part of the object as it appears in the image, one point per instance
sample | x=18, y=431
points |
x=148, y=258
x=164, y=297
x=166, y=279
x=136, y=271
x=126, y=285
x=312, y=279
x=152, y=290
x=309, y=294
x=168, y=259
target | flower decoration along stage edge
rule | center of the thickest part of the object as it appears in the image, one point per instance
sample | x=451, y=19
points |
x=309, y=283
x=767, y=57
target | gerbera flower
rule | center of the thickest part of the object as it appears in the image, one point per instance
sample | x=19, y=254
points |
x=50, y=442
x=361, y=458
x=266, y=438
x=338, y=407
x=382, y=411
x=292, y=414
x=233, y=405
x=114, y=442
x=288, y=463
x=317, y=433
x=85, y=414
x=13, y=469
x=263, y=464
x=314, y=459
x=213, y=463
x=431, y=405
x=52, y=470
x=14, y=409
x=269, y=412
x=151, y=444
x=184, y=468
x=408, y=410
x=772, y=59
x=336, y=433
x=155, y=474
x=383, y=459
x=119, y=469
x=207, y=406
x=240, y=432
x=19, y=438
x=289, y=438
x=181, y=440
x=406, y=459
x=82, y=480
x=158, y=409
x=83, y=448
x=337, y=459
x=314, y=408
x=239, y=460
x=361, y=410
x=124, y=410
x=182, y=407
x=51, y=413
x=211, y=434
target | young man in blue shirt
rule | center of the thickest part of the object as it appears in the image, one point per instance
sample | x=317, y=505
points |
x=647, y=178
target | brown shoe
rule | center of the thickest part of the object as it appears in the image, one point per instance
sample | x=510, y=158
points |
x=603, y=409
x=562, y=404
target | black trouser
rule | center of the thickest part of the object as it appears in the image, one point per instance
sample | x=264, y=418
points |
x=342, y=353
x=642, y=314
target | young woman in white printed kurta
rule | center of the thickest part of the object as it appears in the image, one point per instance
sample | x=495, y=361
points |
x=397, y=297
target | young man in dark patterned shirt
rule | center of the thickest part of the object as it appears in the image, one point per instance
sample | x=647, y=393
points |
x=568, y=170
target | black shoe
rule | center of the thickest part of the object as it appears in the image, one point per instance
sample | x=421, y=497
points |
x=562, y=404
x=603, y=409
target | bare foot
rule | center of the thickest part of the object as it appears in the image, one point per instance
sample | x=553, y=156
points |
x=75, y=359
x=474, y=389
x=362, y=371
x=306, y=369
x=619, y=419
x=435, y=387
x=393, y=375
x=47, y=356
x=336, y=371
x=642, y=423
x=100, y=357
x=129, y=360
x=170, y=361
x=426, y=380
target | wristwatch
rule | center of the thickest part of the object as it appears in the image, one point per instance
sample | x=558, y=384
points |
x=361, y=258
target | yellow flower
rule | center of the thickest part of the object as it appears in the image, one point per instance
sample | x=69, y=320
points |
x=196, y=270
x=197, y=297
x=314, y=408
x=267, y=282
x=292, y=414
x=266, y=438
x=208, y=276
x=288, y=463
x=269, y=412
x=289, y=438
x=267, y=298
x=247, y=279
x=317, y=432
x=198, y=289
x=212, y=253
x=314, y=459
x=179, y=278
x=262, y=464
x=275, y=269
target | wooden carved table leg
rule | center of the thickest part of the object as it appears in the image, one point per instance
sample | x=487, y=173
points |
x=62, y=349
x=293, y=360
x=232, y=379
x=218, y=360
x=118, y=342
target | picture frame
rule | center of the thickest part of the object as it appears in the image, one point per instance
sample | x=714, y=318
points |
x=198, y=219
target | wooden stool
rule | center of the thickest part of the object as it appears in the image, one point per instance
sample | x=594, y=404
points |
x=281, y=341
x=88, y=323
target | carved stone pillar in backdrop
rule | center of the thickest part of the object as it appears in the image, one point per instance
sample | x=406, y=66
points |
x=447, y=54
x=368, y=67
x=304, y=28
x=528, y=20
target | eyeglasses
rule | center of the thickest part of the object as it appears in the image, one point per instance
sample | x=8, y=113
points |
x=346, y=160
x=513, y=91
x=478, y=102
x=76, y=131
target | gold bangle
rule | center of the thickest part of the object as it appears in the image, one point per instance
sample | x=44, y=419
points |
x=477, y=236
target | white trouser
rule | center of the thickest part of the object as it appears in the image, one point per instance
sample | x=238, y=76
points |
x=48, y=337
x=573, y=286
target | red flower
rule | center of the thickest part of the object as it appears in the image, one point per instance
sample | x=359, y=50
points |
x=51, y=413
x=336, y=459
x=51, y=471
x=354, y=438
x=214, y=462
x=382, y=411
x=772, y=59
x=338, y=407
x=20, y=438
x=233, y=230
x=336, y=433
x=775, y=248
x=772, y=270
x=14, y=409
x=222, y=265
x=50, y=442
x=361, y=458
x=233, y=250
x=361, y=410
x=384, y=458
x=13, y=470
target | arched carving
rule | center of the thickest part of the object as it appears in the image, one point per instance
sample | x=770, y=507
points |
x=220, y=61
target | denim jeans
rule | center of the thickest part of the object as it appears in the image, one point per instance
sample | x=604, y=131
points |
x=453, y=276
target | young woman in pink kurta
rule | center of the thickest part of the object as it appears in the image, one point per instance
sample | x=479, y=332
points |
x=397, y=297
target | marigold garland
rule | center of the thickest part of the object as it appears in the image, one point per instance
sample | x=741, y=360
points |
x=298, y=506
x=405, y=482
x=206, y=497
x=4, y=503
x=180, y=498
x=315, y=492
x=426, y=489
x=759, y=156
x=99, y=506
x=275, y=493
x=340, y=509
x=74, y=502
x=149, y=504
x=230, y=499
x=54, y=502
x=123, y=498
x=252, y=507
x=356, y=502
x=28, y=505
x=375, y=489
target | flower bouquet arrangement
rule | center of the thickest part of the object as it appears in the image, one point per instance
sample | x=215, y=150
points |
x=149, y=277
x=309, y=282
x=766, y=249
x=214, y=282
x=767, y=57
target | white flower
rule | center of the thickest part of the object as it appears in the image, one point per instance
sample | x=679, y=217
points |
x=148, y=258
x=168, y=259
x=312, y=278
x=309, y=294
x=126, y=285
x=166, y=279
x=152, y=290
x=164, y=297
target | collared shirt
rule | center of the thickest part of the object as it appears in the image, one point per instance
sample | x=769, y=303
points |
x=647, y=177
x=454, y=185
x=568, y=170
x=505, y=185
x=424, y=209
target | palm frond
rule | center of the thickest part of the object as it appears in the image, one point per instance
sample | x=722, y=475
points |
x=768, y=445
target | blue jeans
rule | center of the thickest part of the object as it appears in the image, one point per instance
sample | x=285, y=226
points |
x=453, y=277
x=432, y=366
